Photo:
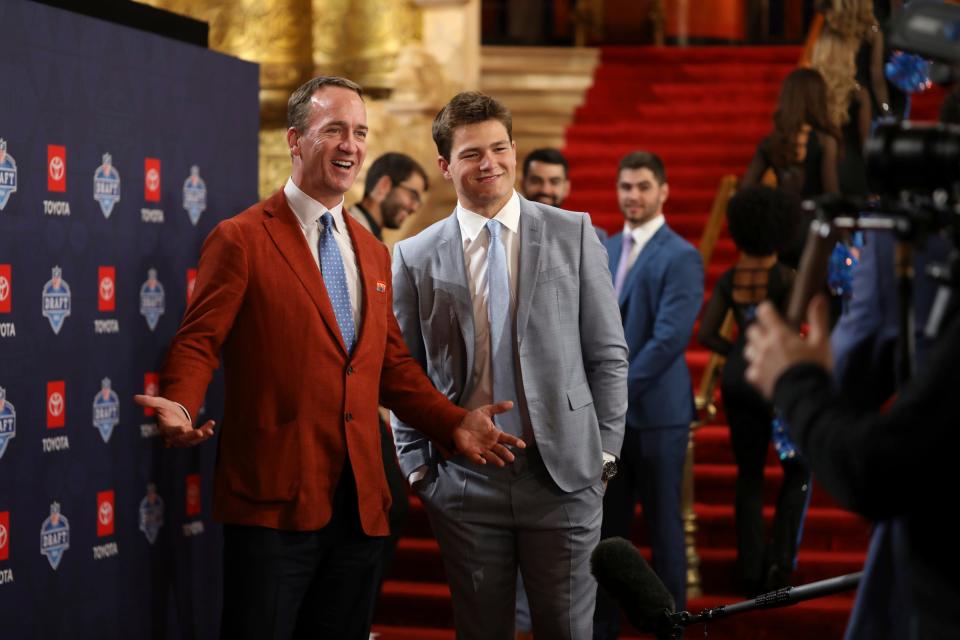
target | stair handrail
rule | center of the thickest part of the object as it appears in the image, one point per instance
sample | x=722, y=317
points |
x=706, y=407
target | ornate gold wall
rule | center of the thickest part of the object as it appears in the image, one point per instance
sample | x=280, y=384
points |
x=410, y=56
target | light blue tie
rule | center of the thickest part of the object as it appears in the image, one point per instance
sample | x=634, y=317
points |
x=335, y=279
x=501, y=332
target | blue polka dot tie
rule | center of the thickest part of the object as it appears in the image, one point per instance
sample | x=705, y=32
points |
x=501, y=332
x=335, y=279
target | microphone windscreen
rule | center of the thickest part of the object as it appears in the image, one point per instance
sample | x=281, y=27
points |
x=625, y=575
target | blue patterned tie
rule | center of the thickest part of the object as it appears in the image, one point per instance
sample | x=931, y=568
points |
x=501, y=332
x=335, y=279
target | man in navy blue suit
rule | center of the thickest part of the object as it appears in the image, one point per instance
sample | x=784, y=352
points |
x=658, y=277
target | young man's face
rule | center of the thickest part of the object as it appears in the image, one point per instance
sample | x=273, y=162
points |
x=328, y=154
x=482, y=166
x=546, y=183
x=640, y=196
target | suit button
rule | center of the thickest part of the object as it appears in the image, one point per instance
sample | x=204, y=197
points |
x=349, y=371
x=348, y=416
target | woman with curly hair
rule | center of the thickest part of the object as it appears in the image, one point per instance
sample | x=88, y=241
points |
x=802, y=149
x=755, y=217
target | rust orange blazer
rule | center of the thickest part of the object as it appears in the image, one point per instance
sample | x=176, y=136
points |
x=296, y=404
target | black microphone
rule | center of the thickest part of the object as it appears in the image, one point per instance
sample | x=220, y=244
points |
x=625, y=575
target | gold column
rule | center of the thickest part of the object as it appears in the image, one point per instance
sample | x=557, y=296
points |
x=378, y=43
x=361, y=39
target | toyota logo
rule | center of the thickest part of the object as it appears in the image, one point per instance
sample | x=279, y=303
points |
x=106, y=513
x=55, y=404
x=153, y=179
x=3, y=536
x=106, y=288
x=4, y=289
x=56, y=167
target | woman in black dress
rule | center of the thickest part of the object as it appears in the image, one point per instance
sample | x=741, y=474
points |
x=755, y=217
x=802, y=151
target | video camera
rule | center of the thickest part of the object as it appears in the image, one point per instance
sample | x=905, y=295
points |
x=914, y=170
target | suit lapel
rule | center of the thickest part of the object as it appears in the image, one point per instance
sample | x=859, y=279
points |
x=453, y=269
x=363, y=247
x=531, y=237
x=285, y=231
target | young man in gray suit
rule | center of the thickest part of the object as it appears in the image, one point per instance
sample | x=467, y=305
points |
x=513, y=300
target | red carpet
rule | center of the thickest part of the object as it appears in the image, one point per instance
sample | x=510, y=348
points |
x=703, y=110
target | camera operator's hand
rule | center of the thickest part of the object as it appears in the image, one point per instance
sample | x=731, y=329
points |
x=773, y=347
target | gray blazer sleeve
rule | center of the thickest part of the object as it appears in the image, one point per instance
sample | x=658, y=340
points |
x=601, y=338
x=413, y=448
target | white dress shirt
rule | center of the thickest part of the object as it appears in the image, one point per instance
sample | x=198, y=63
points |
x=308, y=212
x=641, y=236
x=476, y=241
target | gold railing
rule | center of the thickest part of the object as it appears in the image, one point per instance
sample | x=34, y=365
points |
x=708, y=241
x=704, y=397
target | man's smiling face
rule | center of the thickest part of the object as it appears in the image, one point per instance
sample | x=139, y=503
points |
x=328, y=154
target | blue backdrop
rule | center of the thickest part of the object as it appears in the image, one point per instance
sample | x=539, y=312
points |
x=119, y=152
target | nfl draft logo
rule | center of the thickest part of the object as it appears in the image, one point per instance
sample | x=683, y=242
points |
x=8, y=421
x=195, y=195
x=151, y=513
x=8, y=174
x=151, y=299
x=106, y=185
x=106, y=410
x=54, y=536
x=56, y=300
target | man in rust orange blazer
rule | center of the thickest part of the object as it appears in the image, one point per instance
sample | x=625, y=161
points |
x=297, y=297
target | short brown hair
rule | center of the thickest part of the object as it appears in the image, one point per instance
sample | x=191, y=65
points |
x=467, y=107
x=298, y=106
x=644, y=160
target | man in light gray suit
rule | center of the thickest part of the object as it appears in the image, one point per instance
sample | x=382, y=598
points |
x=511, y=299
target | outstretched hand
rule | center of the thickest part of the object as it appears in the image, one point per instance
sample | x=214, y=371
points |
x=773, y=347
x=478, y=438
x=175, y=428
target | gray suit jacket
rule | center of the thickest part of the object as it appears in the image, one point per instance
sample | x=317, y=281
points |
x=572, y=357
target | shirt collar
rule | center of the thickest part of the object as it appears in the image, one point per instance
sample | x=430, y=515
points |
x=308, y=210
x=645, y=231
x=471, y=224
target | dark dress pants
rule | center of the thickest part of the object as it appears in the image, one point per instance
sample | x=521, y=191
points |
x=282, y=585
x=651, y=469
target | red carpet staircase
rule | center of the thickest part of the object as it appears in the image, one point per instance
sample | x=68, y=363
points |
x=703, y=111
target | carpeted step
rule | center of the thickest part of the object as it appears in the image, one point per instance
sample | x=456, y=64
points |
x=426, y=607
x=694, y=177
x=701, y=55
x=633, y=131
x=645, y=110
x=759, y=72
x=716, y=484
x=825, y=529
x=812, y=619
x=732, y=158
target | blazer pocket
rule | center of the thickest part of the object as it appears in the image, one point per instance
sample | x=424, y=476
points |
x=552, y=273
x=269, y=468
x=580, y=396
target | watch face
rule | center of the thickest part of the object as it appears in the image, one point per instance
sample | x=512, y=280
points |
x=609, y=469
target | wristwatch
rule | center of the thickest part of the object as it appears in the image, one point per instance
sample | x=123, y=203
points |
x=609, y=470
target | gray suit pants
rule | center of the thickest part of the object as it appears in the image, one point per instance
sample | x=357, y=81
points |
x=490, y=521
